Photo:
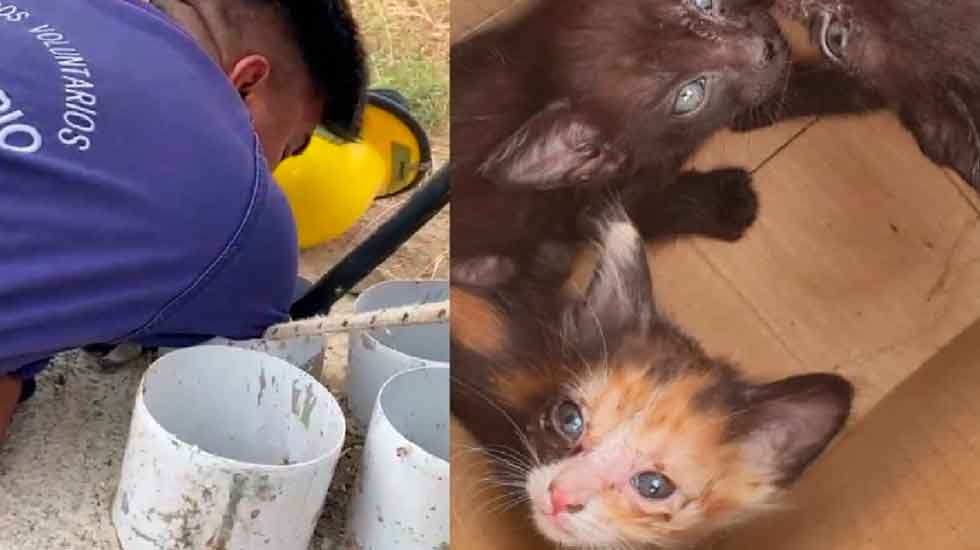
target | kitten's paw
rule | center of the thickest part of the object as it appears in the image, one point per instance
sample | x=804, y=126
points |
x=736, y=204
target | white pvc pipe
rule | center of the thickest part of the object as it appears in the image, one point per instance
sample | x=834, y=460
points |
x=402, y=497
x=228, y=449
x=305, y=352
x=377, y=355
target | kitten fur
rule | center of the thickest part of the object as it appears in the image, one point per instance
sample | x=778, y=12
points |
x=651, y=399
x=918, y=58
x=575, y=100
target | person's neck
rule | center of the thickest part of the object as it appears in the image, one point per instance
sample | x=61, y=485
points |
x=197, y=19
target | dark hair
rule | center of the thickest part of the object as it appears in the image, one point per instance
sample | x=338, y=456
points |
x=330, y=42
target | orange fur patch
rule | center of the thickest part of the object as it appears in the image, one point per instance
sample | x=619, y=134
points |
x=519, y=388
x=477, y=324
x=684, y=442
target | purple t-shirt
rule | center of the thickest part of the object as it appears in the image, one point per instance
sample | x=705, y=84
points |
x=135, y=203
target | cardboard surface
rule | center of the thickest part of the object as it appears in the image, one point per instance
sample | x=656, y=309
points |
x=907, y=478
x=860, y=261
x=866, y=261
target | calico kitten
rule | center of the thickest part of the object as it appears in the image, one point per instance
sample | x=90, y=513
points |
x=617, y=428
x=918, y=58
x=578, y=98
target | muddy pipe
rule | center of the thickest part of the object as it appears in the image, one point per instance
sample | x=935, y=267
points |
x=228, y=448
x=402, y=501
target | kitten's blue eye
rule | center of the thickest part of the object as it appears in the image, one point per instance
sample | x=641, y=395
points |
x=653, y=485
x=834, y=39
x=705, y=5
x=568, y=421
x=691, y=96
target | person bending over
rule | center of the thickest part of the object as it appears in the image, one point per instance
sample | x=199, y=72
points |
x=137, y=141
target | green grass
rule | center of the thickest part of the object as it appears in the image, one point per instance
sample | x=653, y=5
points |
x=408, y=41
x=422, y=83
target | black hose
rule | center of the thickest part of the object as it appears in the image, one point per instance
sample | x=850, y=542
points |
x=427, y=201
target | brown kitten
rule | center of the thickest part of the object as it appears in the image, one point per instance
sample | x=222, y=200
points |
x=577, y=99
x=918, y=58
x=616, y=427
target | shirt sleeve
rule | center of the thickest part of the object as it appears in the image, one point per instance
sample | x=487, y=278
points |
x=249, y=288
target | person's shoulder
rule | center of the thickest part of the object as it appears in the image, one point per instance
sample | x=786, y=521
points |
x=131, y=112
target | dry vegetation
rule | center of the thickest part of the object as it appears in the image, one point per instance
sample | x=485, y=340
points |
x=409, y=43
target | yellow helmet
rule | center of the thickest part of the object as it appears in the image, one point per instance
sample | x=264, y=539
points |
x=332, y=183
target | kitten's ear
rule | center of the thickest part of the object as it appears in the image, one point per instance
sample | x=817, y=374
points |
x=555, y=147
x=619, y=298
x=790, y=422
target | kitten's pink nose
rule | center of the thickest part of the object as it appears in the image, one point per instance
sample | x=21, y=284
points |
x=562, y=502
